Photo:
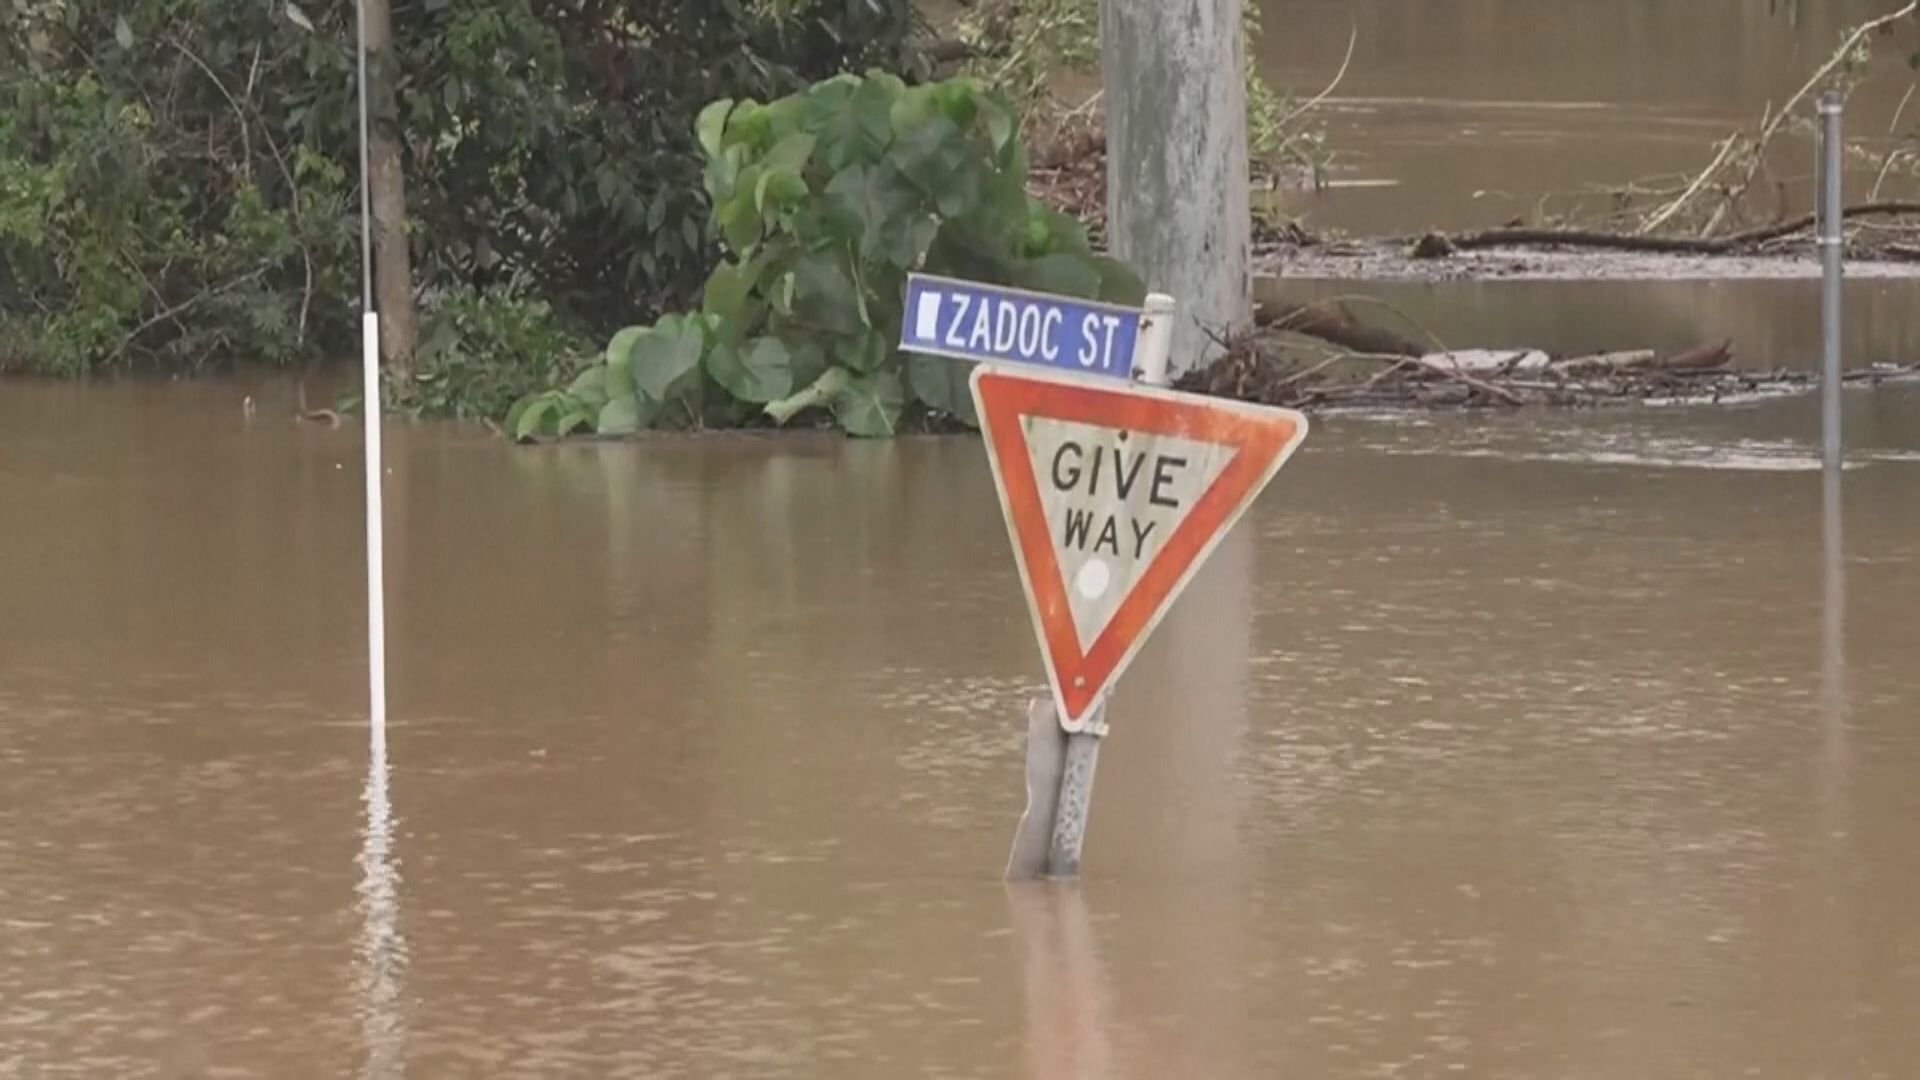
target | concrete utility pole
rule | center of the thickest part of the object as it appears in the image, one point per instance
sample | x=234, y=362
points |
x=1177, y=210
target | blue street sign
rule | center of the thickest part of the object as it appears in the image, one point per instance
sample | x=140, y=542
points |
x=968, y=320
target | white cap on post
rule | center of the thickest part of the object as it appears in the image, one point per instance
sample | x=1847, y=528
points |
x=1156, y=340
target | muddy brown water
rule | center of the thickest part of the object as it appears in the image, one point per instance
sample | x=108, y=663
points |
x=1466, y=114
x=1573, y=746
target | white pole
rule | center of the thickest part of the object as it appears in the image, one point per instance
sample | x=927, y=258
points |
x=376, y=555
x=370, y=407
x=381, y=950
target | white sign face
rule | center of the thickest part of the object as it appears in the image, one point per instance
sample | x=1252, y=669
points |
x=1112, y=498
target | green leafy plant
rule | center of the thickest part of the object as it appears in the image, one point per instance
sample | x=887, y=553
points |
x=178, y=178
x=482, y=349
x=824, y=201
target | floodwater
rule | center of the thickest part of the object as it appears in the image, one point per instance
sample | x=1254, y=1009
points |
x=1467, y=114
x=1573, y=746
x=1458, y=114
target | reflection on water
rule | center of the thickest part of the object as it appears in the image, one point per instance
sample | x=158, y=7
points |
x=1069, y=1023
x=1494, y=745
x=381, y=952
x=1833, y=630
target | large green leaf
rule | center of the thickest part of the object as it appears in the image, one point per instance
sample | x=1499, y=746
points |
x=621, y=416
x=870, y=405
x=778, y=191
x=759, y=372
x=1118, y=283
x=873, y=197
x=527, y=424
x=712, y=125
x=1050, y=232
x=939, y=160
x=806, y=360
x=863, y=352
x=1001, y=123
x=728, y=290
x=739, y=217
x=667, y=357
x=750, y=126
x=619, y=381
x=855, y=126
x=959, y=99
x=823, y=294
x=519, y=409
x=914, y=107
x=908, y=238
x=1064, y=275
x=590, y=386
x=942, y=384
x=790, y=154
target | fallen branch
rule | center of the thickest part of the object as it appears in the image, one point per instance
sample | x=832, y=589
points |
x=1758, y=154
x=1329, y=322
x=1474, y=382
x=1438, y=245
x=1353, y=39
x=1693, y=189
x=186, y=305
x=1603, y=362
x=1699, y=358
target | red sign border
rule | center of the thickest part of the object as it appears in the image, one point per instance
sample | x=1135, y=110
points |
x=1002, y=398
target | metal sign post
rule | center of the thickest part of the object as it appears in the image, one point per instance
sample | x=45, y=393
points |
x=1832, y=252
x=1074, y=803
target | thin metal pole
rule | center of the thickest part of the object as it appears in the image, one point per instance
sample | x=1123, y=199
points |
x=1083, y=747
x=1832, y=252
x=1076, y=796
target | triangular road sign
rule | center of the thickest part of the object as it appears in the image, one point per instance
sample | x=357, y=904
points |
x=1114, y=496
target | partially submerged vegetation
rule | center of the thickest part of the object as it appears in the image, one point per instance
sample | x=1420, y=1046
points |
x=179, y=184
x=825, y=201
x=177, y=194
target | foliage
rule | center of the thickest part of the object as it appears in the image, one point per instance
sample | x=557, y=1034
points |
x=149, y=208
x=177, y=176
x=1023, y=46
x=483, y=349
x=825, y=201
x=553, y=140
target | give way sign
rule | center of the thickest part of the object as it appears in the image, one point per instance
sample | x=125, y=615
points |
x=1114, y=496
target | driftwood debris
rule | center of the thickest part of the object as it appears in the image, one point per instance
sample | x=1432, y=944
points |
x=1263, y=367
x=1330, y=321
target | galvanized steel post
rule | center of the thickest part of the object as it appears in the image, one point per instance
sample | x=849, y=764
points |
x=1832, y=243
